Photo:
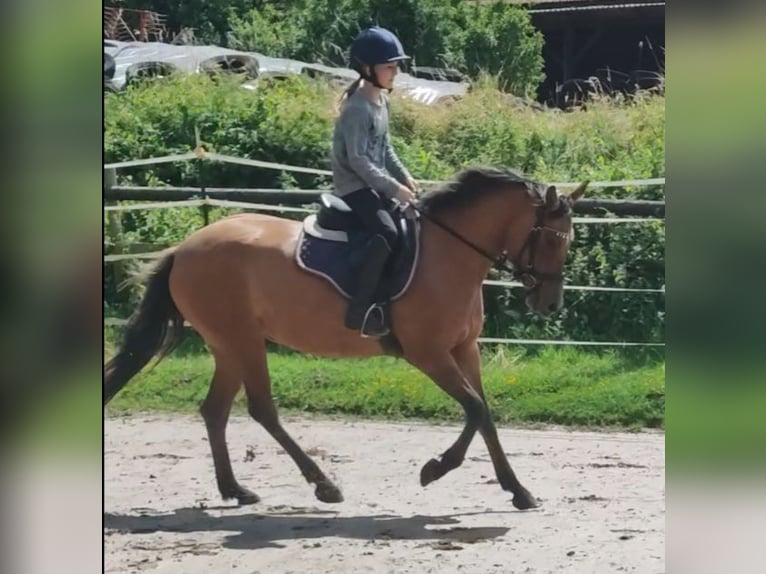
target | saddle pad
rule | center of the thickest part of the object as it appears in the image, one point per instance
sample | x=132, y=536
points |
x=336, y=255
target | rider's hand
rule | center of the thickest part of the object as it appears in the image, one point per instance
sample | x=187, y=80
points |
x=413, y=185
x=405, y=195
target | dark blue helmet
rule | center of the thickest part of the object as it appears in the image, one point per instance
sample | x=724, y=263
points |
x=376, y=46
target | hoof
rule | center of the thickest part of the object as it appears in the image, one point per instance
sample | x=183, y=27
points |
x=328, y=492
x=246, y=497
x=432, y=470
x=243, y=496
x=524, y=500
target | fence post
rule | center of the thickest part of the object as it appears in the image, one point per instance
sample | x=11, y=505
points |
x=199, y=149
x=110, y=178
x=114, y=230
x=205, y=208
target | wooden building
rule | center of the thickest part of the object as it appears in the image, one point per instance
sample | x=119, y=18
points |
x=617, y=45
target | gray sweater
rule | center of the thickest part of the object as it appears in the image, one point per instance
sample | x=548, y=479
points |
x=362, y=155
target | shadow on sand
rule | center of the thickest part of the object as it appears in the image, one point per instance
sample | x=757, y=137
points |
x=263, y=530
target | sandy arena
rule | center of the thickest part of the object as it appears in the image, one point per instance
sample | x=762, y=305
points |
x=603, y=501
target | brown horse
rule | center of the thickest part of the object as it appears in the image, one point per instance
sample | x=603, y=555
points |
x=238, y=284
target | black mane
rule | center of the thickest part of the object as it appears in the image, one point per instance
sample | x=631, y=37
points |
x=476, y=180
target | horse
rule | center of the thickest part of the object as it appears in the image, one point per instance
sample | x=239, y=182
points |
x=236, y=282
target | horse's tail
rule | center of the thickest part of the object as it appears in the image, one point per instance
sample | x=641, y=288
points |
x=155, y=328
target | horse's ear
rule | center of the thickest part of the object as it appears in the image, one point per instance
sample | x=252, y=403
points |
x=551, y=198
x=577, y=193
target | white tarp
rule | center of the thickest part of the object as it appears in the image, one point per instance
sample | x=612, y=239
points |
x=189, y=59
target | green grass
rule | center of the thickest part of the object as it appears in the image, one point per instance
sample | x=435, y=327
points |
x=561, y=386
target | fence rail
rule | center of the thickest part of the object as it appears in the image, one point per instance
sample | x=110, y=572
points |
x=149, y=255
x=200, y=153
x=630, y=211
x=295, y=197
x=117, y=322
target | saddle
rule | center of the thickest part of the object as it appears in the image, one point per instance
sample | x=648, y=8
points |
x=332, y=243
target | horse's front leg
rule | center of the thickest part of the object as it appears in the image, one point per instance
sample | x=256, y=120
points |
x=444, y=371
x=468, y=359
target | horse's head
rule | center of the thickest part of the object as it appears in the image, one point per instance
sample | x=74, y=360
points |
x=540, y=263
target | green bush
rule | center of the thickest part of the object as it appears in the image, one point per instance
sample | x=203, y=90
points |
x=473, y=37
x=497, y=38
x=291, y=122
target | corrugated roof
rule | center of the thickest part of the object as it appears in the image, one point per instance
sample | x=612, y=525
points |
x=537, y=6
x=559, y=6
x=535, y=2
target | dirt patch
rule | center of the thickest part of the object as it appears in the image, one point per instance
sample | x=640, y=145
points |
x=163, y=513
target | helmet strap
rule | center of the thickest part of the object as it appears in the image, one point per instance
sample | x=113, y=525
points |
x=371, y=77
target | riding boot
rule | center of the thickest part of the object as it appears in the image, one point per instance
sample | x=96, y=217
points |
x=362, y=314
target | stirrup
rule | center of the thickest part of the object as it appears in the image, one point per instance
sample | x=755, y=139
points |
x=375, y=312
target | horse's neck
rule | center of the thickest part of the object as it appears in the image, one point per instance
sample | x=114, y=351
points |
x=487, y=224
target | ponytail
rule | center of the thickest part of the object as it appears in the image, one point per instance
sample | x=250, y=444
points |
x=351, y=89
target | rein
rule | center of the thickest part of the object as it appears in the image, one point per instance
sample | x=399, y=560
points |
x=527, y=276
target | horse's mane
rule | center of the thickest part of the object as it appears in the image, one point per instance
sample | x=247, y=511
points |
x=475, y=182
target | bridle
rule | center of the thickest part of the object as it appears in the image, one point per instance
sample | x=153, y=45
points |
x=526, y=274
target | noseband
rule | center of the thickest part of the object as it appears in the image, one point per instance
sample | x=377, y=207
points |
x=528, y=275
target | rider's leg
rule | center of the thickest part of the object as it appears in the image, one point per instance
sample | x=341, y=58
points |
x=370, y=208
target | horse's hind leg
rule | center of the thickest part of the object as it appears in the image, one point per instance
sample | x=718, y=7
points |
x=468, y=358
x=261, y=407
x=215, y=410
